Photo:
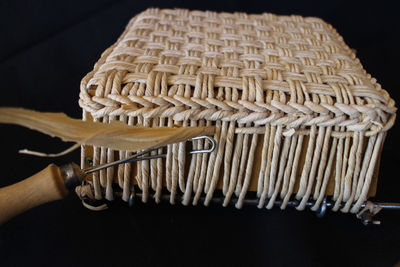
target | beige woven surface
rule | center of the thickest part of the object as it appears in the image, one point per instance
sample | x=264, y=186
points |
x=293, y=108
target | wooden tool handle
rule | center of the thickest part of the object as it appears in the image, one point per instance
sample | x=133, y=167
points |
x=44, y=186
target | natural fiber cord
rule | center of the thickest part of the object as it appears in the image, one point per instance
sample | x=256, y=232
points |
x=295, y=113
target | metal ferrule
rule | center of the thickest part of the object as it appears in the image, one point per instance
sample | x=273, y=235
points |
x=72, y=175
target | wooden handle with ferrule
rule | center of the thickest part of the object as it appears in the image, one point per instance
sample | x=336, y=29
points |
x=43, y=187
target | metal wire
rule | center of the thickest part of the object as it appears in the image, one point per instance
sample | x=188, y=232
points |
x=140, y=155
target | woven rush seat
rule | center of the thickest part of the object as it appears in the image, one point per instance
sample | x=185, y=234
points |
x=296, y=116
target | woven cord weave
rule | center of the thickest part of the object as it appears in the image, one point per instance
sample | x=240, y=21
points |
x=283, y=91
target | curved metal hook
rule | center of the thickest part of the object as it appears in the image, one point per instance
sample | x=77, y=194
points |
x=141, y=155
x=211, y=149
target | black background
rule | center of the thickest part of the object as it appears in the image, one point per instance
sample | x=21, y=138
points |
x=46, y=47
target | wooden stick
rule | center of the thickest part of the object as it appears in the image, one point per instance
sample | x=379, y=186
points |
x=42, y=187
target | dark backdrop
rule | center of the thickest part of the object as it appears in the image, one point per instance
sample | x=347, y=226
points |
x=46, y=47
